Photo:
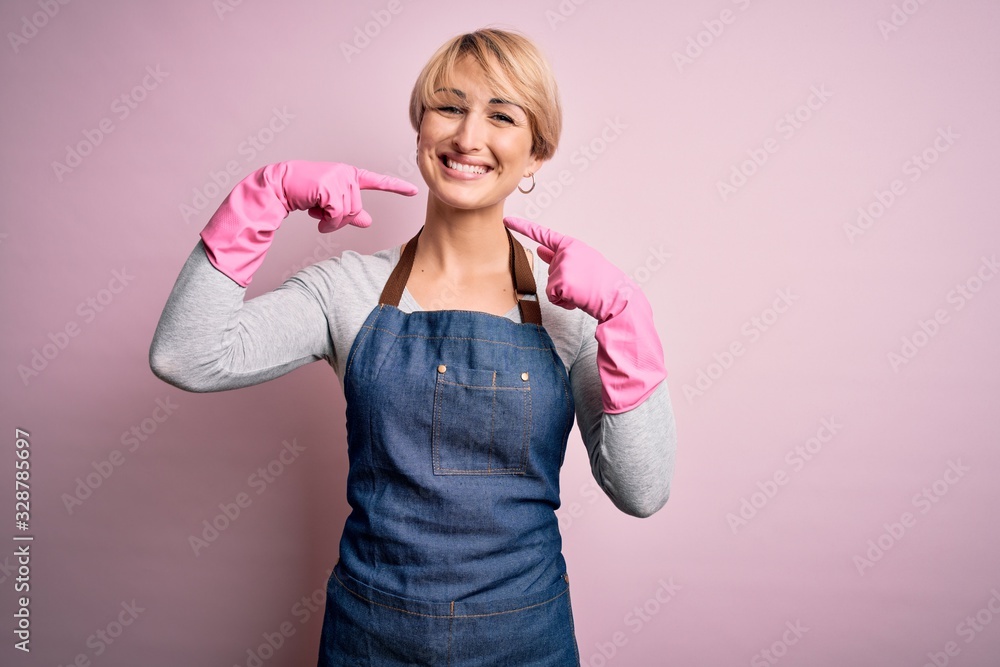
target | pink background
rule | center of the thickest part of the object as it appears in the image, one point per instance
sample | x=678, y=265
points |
x=684, y=587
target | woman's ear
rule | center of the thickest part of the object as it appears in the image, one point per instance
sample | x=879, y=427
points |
x=534, y=165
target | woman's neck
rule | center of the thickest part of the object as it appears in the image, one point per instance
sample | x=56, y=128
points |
x=460, y=244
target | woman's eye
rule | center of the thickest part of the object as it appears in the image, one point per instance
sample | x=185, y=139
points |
x=454, y=110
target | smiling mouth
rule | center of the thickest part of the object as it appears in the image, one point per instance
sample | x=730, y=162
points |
x=465, y=168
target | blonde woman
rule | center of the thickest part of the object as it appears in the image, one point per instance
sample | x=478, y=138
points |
x=457, y=418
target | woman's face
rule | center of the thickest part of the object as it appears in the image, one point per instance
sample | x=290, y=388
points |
x=465, y=123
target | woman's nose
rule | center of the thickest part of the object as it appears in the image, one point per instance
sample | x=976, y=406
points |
x=470, y=133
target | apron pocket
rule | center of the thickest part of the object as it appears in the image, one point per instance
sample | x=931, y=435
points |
x=481, y=421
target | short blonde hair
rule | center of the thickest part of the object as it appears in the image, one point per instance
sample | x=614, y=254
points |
x=514, y=67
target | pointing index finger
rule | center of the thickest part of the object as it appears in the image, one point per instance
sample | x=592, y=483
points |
x=370, y=180
x=549, y=238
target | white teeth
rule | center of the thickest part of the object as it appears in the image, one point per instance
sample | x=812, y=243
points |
x=468, y=168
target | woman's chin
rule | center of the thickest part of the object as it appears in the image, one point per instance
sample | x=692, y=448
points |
x=464, y=201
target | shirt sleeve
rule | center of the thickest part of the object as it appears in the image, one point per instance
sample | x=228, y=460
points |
x=209, y=339
x=631, y=453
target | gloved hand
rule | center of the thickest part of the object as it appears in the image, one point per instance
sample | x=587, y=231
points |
x=629, y=354
x=239, y=234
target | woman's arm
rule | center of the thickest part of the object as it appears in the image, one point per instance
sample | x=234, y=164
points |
x=210, y=339
x=632, y=452
x=618, y=376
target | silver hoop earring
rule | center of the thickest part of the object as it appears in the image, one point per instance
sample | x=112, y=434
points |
x=532, y=185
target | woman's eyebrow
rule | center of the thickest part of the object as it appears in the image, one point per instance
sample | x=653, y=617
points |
x=495, y=100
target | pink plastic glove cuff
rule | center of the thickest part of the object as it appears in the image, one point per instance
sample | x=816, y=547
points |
x=239, y=233
x=629, y=356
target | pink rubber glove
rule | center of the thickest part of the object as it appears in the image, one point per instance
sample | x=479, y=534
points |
x=629, y=354
x=239, y=233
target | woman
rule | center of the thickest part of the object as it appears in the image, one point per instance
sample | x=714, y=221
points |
x=457, y=417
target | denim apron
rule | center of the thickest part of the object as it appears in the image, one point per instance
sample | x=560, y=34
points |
x=457, y=423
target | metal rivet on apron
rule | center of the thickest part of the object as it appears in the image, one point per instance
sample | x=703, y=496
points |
x=524, y=376
x=442, y=368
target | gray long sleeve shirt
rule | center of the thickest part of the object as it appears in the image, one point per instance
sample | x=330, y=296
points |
x=210, y=339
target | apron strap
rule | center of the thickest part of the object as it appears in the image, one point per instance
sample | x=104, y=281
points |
x=392, y=292
x=521, y=275
x=524, y=282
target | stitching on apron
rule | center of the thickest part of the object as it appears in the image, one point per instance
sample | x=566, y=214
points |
x=564, y=376
x=436, y=424
x=526, y=431
x=451, y=622
x=452, y=614
x=495, y=471
x=493, y=421
x=358, y=346
x=435, y=449
x=572, y=628
x=521, y=469
x=484, y=340
x=482, y=386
